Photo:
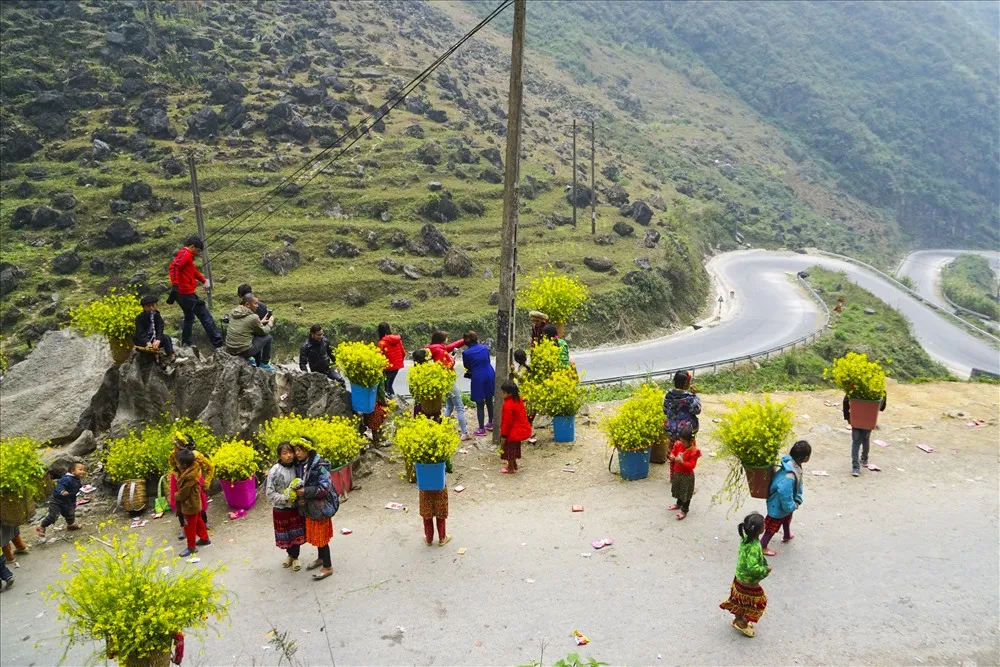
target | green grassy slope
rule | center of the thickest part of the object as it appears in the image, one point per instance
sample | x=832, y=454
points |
x=970, y=282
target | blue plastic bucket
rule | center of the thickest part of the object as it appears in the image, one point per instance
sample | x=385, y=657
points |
x=430, y=476
x=363, y=399
x=634, y=465
x=564, y=428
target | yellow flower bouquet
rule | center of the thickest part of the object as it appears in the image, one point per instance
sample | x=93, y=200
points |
x=423, y=440
x=336, y=439
x=145, y=452
x=558, y=395
x=544, y=359
x=236, y=460
x=362, y=363
x=858, y=377
x=134, y=598
x=112, y=316
x=638, y=424
x=22, y=479
x=558, y=296
x=430, y=382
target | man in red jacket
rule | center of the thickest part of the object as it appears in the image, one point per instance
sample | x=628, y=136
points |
x=184, y=279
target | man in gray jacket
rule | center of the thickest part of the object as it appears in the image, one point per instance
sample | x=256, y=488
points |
x=248, y=336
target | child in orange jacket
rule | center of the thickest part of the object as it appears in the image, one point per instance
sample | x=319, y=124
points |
x=683, y=459
x=514, y=426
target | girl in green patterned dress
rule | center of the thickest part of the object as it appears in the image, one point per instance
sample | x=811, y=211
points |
x=747, y=599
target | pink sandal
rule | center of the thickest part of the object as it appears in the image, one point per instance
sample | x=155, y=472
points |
x=791, y=536
x=680, y=516
x=671, y=508
x=768, y=552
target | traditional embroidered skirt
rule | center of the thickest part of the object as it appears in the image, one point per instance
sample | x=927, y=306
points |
x=319, y=533
x=772, y=525
x=434, y=504
x=746, y=601
x=682, y=486
x=377, y=417
x=511, y=451
x=289, y=528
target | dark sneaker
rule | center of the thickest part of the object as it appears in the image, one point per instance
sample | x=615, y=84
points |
x=203, y=543
x=181, y=536
x=856, y=472
x=187, y=552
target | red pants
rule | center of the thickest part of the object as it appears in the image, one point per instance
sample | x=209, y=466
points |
x=429, y=529
x=194, y=525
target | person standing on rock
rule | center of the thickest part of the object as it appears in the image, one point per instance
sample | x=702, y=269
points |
x=184, y=279
x=391, y=346
x=149, y=332
x=316, y=355
x=861, y=438
x=249, y=336
x=479, y=370
x=441, y=353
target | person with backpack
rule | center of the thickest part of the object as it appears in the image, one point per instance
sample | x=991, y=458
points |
x=184, y=279
x=681, y=407
x=391, y=346
x=785, y=495
x=317, y=501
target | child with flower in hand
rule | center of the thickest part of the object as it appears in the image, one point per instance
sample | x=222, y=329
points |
x=747, y=599
x=514, y=426
x=683, y=459
x=189, y=502
x=289, y=524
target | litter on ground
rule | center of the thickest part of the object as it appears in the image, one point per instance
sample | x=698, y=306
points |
x=581, y=639
x=346, y=531
x=881, y=443
x=461, y=552
x=821, y=473
x=873, y=467
x=926, y=448
x=394, y=506
x=577, y=508
x=459, y=489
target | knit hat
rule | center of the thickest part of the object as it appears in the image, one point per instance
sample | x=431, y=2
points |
x=149, y=300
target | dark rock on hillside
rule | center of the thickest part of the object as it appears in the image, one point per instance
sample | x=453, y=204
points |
x=616, y=195
x=623, y=229
x=100, y=150
x=401, y=303
x=492, y=155
x=415, y=131
x=429, y=152
x=291, y=189
x=173, y=166
x=280, y=261
x=119, y=206
x=119, y=233
x=198, y=43
x=410, y=272
x=651, y=239
x=225, y=90
x=203, y=124
x=643, y=263
x=458, y=263
x=604, y=239
x=389, y=266
x=10, y=274
x=234, y=114
x=310, y=95
x=436, y=242
x=21, y=217
x=417, y=105
x=66, y=262
x=36, y=173
x=642, y=213
x=256, y=181
x=440, y=209
x=355, y=298
x=342, y=249
x=611, y=172
x=599, y=264
x=136, y=191
x=473, y=206
x=583, y=195
x=437, y=115
x=18, y=146
x=492, y=176
x=46, y=217
x=25, y=189
x=154, y=123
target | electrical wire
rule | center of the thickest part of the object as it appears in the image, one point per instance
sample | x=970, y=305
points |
x=354, y=134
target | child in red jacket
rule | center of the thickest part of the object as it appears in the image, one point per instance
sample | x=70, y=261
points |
x=683, y=459
x=391, y=346
x=514, y=426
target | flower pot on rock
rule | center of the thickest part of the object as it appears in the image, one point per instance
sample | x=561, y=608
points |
x=864, y=414
x=240, y=495
x=430, y=476
x=564, y=428
x=759, y=480
x=363, y=399
x=121, y=350
x=633, y=465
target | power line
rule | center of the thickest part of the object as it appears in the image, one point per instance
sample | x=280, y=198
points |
x=354, y=134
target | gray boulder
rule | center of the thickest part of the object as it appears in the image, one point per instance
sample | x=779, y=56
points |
x=136, y=191
x=64, y=201
x=440, y=209
x=119, y=233
x=203, y=124
x=389, y=266
x=66, y=262
x=458, y=263
x=48, y=395
x=401, y=303
x=642, y=213
x=434, y=239
x=623, y=229
x=429, y=152
x=599, y=264
x=651, y=239
x=281, y=261
x=342, y=249
x=492, y=155
x=583, y=195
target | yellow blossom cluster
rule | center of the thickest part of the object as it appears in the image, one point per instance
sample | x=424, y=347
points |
x=144, y=452
x=21, y=470
x=424, y=440
x=638, y=424
x=362, y=363
x=113, y=315
x=858, y=377
x=336, y=439
x=236, y=460
x=755, y=432
x=429, y=382
x=558, y=296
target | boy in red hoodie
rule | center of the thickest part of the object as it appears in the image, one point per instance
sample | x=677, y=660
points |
x=184, y=279
x=683, y=459
x=441, y=353
x=514, y=426
x=392, y=347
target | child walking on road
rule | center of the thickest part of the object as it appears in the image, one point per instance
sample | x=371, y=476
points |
x=63, y=501
x=434, y=509
x=683, y=459
x=514, y=426
x=747, y=599
x=785, y=495
x=189, y=495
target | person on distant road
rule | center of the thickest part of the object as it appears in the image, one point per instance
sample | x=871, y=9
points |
x=184, y=279
x=249, y=336
x=860, y=438
x=316, y=355
x=149, y=329
x=391, y=346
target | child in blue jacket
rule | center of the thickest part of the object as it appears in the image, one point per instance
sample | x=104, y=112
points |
x=63, y=501
x=785, y=496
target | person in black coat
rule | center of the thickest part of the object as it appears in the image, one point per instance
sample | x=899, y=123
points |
x=149, y=328
x=316, y=355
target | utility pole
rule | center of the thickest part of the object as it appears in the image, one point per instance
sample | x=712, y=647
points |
x=201, y=225
x=593, y=184
x=574, y=173
x=511, y=203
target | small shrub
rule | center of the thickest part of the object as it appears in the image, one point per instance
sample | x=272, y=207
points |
x=112, y=316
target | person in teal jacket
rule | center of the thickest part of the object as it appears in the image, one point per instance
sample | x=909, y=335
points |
x=785, y=496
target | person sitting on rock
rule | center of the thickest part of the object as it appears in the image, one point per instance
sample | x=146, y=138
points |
x=316, y=355
x=249, y=336
x=149, y=329
x=245, y=289
x=184, y=279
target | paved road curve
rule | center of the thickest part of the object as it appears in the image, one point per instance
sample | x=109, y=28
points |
x=772, y=310
x=925, y=266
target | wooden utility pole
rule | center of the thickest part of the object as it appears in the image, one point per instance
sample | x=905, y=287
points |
x=511, y=204
x=593, y=183
x=574, y=173
x=201, y=226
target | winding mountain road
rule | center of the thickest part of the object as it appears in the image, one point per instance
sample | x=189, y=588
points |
x=924, y=267
x=770, y=310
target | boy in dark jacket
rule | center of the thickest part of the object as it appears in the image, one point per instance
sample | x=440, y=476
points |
x=681, y=407
x=316, y=355
x=149, y=329
x=860, y=438
x=63, y=501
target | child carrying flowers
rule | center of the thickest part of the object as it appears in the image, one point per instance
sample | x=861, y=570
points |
x=683, y=459
x=514, y=426
x=289, y=524
x=747, y=599
x=785, y=495
x=189, y=502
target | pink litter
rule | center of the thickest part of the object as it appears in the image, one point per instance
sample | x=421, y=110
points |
x=346, y=531
x=238, y=514
x=926, y=448
x=976, y=422
x=872, y=466
x=394, y=506
x=881, y=443
x=600, y=544
x=459, y=489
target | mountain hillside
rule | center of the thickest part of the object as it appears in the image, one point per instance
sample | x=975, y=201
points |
x=101, y=103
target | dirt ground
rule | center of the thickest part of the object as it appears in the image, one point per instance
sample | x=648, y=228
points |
x=895, y=567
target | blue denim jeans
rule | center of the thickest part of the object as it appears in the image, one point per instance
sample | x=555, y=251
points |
x=453, y=403
x=5, y=573
x=860, y=439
